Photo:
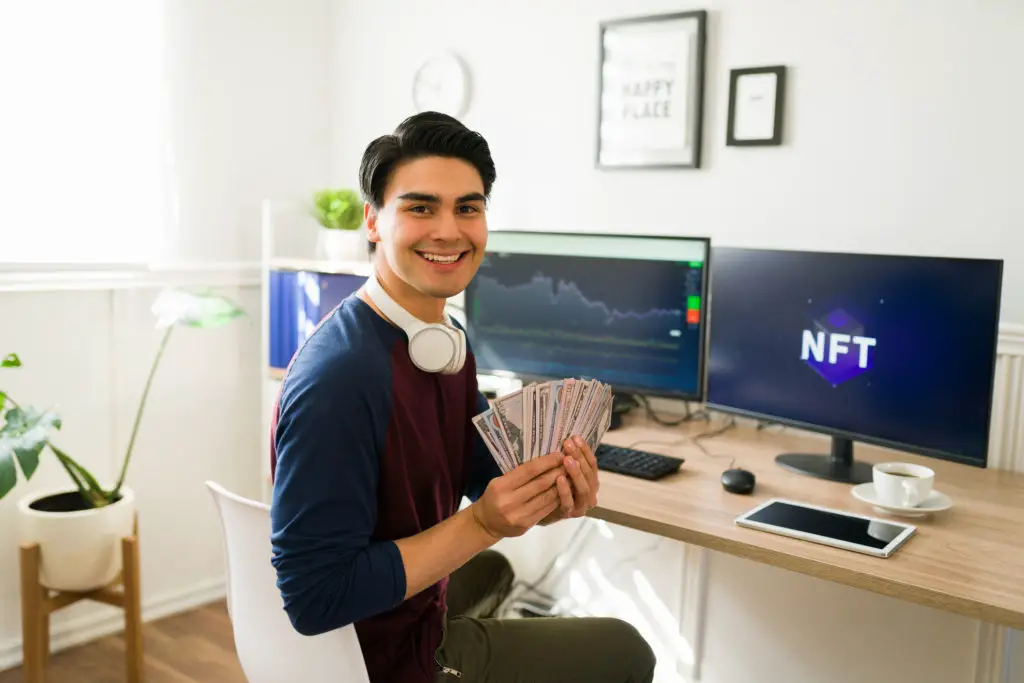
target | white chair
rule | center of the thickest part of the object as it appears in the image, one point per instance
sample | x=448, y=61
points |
x=269, y=649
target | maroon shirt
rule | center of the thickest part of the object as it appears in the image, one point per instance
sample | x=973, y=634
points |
x=366, y=449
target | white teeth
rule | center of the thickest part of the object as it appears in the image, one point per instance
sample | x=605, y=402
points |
x=437, y=258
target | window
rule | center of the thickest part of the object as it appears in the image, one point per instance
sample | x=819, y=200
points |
x=82, y=131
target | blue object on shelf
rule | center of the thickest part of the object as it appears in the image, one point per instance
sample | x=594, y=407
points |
x=299, y=300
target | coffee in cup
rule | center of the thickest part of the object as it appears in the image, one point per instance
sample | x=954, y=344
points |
x=902, y=484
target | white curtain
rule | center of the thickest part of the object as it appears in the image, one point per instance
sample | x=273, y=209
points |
x=83, y=138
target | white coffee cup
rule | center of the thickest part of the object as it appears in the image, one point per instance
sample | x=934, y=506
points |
x=902, y=484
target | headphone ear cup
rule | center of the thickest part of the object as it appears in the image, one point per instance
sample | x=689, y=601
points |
x=433, y=348
x=461, y=356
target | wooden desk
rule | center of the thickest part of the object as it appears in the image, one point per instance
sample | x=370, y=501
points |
x=968, y=559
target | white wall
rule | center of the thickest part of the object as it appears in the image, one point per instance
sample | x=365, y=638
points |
x=902, y=125
x=251, y=86
x=902, y=136
x=250, y=112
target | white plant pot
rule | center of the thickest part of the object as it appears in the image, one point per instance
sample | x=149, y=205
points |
x=342, y=245
x=79, y=550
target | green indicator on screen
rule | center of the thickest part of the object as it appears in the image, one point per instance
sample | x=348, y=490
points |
x=696, y=264
x=693, y=302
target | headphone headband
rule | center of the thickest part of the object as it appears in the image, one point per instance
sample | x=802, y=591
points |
x=391, y=308
x=433, y=347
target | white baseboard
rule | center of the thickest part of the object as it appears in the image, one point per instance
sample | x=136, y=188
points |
x=93, y=626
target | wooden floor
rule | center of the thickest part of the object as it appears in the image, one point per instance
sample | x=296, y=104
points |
x=193, y=647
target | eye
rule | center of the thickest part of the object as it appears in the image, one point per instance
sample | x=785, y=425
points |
x=469, y=208
x=418, y=208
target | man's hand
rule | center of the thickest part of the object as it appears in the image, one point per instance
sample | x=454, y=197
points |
x=516, y=501
x=577, y=491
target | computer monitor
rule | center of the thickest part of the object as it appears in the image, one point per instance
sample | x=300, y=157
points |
x=627, y=310
x=897, y=351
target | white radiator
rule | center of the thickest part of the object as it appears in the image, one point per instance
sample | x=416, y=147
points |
x=1006, y=450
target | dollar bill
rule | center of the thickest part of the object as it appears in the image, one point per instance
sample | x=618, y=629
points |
x=529, y=420
x=557, y=397
x=493, y=445
x=509, y=409
x=541, y=408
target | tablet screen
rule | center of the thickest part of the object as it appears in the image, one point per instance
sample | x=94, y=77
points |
x=870, y=533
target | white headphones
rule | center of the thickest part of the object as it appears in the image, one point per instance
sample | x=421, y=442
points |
x=433, y=347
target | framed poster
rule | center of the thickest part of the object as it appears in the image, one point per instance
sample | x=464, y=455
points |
x=756, y=105
x=651, y=91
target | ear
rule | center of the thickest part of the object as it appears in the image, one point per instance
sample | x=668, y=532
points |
x=370, y=217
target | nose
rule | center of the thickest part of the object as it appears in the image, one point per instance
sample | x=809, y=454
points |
x=446, y=228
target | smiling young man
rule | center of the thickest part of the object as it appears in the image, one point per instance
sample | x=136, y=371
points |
x=373, y=449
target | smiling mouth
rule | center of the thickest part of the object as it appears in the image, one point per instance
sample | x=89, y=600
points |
x=442, y=259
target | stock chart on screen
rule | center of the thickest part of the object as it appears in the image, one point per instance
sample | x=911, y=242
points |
x=631, y=322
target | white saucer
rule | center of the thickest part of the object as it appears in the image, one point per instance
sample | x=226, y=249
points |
x=935, y=502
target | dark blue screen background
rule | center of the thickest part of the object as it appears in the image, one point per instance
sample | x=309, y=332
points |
x=936, y=321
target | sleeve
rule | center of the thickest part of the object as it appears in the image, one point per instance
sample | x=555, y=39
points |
x=324, y=506
x=484, y=468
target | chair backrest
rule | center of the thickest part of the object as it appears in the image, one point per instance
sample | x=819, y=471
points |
x=269, y=649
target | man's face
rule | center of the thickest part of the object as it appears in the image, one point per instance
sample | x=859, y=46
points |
x=432, y=227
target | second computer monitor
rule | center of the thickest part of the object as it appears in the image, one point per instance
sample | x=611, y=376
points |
x=626, y=310
x=897, y=351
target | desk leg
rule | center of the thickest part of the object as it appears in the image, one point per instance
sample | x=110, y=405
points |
x=993, y=662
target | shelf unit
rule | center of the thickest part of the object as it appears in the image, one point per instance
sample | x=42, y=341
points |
x=290, y=242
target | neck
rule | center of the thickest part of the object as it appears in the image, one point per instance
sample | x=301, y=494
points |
x=427, y=308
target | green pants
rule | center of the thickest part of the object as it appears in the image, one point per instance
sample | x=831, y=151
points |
x=478, y=648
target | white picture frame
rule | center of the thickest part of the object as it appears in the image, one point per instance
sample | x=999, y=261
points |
x=651, y=91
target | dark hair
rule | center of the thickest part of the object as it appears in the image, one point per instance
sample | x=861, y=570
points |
x=422, y=135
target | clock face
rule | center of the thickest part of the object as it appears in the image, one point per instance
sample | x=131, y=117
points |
x=442, y=84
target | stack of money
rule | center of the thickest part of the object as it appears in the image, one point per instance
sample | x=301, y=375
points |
x=537, y=419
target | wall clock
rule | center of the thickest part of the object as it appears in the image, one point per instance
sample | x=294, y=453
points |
x=442, y=84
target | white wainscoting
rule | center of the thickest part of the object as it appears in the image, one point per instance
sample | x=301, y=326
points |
x=1007, y=449
x=87, y=339
x=1006, y=453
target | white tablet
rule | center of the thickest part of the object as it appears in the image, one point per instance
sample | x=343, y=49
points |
x=837, y=528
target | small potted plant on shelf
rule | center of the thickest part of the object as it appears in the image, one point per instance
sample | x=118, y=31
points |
x=79, y=529
x=340, y=213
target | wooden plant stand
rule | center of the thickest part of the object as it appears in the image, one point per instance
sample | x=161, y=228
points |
x=39, y=602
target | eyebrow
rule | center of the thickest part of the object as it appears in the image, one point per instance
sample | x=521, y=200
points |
x=434, y=199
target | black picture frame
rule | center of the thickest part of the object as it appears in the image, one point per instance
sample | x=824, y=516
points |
x=688, y=156
x=777, y=111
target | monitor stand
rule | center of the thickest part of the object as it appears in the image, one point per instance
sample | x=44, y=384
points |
x=621, y=403
x=839, y=466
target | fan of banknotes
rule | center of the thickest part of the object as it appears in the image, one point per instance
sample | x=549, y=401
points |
x=538, y=418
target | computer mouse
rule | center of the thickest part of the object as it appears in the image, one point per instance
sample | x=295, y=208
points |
x=738, y=480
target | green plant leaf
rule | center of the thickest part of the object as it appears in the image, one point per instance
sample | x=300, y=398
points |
x=8, y=475
x=340, y=209
x=25, y=434
x=11, y=360
x=194, y=309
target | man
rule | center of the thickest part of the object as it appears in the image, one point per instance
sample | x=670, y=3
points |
x=372, y=454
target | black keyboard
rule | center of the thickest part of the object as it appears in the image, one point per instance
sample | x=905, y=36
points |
x=634, y=463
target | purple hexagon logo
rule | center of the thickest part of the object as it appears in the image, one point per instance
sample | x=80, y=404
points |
x=837, y=348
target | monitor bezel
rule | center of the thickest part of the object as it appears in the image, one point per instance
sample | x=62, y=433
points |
x=868, y=439
x=702, y=356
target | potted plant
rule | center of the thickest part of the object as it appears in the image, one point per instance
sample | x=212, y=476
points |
x=340, y=213
x=79, y=529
